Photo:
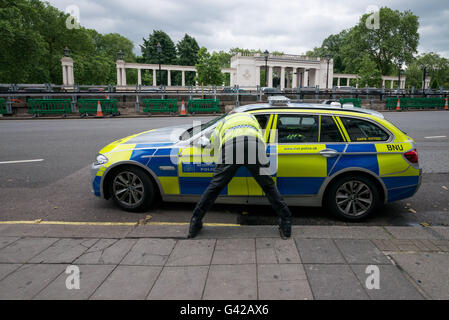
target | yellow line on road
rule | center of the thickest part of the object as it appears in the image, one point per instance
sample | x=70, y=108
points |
x=113, y=223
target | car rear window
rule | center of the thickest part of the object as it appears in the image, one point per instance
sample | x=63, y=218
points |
x=363, y=131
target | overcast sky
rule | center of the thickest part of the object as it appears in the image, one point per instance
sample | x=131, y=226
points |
x=290, y=26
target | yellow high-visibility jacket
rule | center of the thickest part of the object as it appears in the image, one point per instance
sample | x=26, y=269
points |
x=236, y=125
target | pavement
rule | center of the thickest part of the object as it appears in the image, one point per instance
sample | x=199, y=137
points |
x=155, y=261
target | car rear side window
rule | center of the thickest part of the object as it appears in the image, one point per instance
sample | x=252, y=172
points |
x=363, y=131
x=329, y=131
x=297, y=128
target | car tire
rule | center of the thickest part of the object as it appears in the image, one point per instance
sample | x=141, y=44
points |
x=132, y=189
x=352, y=197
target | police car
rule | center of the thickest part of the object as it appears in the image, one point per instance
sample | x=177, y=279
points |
x=350, y=160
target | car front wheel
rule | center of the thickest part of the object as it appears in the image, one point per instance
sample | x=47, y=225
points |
x=132, y=189
x=353, y=197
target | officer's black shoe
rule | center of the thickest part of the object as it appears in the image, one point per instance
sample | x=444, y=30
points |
x=285, y=229
x=195, y=226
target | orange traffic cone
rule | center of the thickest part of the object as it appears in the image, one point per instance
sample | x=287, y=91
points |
x=398, y=106
x=446, y=107
x=183, y=109
x=99, y=111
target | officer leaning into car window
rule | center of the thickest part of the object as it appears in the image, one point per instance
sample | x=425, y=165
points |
x=239, y=142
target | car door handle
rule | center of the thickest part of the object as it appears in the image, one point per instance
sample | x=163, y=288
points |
x=328, y=153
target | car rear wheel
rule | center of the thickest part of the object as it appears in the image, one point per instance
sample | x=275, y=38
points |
x=132, y=189
x=353, y=197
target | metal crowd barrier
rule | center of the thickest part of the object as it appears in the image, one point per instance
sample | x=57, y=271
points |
x=89, y=106
x=37, y=107
x=204, y=105
x=415, y=103
x=160, y=105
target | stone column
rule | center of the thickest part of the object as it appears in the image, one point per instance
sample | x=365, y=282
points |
x=168, y=77
x=282, y=78
x=139, y=76
x=294, y=78
x=383, y=82
x=67, y=71
x=154, y=77
x=288, y=79
x=123, y=76
x=70, y=76
x=317, y=78
x=119, y=77
x=183, y=78
x=196, y=76
x=391, y=84
x=270, y=76
x=306, y=78
x=338, y=81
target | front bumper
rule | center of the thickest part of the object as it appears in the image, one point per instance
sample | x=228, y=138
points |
x=95, y=179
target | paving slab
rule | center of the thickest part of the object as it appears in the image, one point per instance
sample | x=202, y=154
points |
x=271, y=250
x=429, y=271
x=334, y=281
x=64, y=251
x=25, y=249
x=237, y=232
x=361, y=252
x=340, y=232
x=158, y=231
x=28, y=280
x=235, y=251
x=231, y=282
x=319, y=251
x=150, y=252
x=6, y=241
x=283, y=282
x=410, y=233
x=442, y=231
x=392, y=284
x=65, y=231
x=91, y=277
x=106, y=251
x=180, y=283
x=7, y=268
x=192, y=253
x=128, y=283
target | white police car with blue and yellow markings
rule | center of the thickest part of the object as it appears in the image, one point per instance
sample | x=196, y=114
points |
x=350, y=160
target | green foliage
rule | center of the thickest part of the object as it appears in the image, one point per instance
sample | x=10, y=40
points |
x=437, y=68
x=368, y=74
x=414, y=76
x=208, y=68
x=33, y=35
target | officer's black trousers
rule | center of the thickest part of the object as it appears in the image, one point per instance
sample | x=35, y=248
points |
x=225, y=171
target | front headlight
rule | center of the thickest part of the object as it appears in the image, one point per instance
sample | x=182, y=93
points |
x=101, y=159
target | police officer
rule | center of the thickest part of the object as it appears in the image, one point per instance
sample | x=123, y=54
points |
x=239, y=142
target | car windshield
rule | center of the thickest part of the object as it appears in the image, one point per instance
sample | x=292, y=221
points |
x=188, y=133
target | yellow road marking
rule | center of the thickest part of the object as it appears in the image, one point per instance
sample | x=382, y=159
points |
x=114, y=223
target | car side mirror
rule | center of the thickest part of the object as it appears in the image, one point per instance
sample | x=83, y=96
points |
x=203, y=142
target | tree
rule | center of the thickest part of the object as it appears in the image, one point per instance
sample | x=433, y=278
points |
x=167, y=55
x=413, y=76
x=34, y=34
x=392, y=44
x=187, y=49
x=208, y=68
x=437, y=68
x=368, y=73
